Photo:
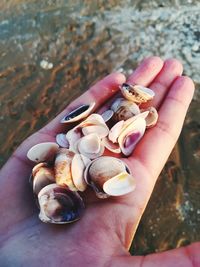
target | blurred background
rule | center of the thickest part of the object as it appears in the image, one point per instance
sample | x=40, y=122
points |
x=52, y=51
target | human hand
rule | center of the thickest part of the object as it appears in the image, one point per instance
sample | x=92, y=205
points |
x=103, y=235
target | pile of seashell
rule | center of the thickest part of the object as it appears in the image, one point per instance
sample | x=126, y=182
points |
x=77, y=159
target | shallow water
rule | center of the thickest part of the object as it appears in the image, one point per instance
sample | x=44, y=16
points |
x=84, y=41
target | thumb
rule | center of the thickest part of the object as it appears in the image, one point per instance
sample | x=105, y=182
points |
x=188, y=256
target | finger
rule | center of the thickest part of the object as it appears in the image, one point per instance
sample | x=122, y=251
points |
x=153, y=150
x=156, y=146
x=186, y=256
x=146, y=72
x=98, y=93
x=172, y=69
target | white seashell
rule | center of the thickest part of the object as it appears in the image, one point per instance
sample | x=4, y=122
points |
x=93, y=119
x=131, y=135
x=111, y=146
x=101, y=170
x=79, y=163
x=73, y=136
x=107, y=115
x=152, y=117
x=126, y=109
x=137, y=93
x=78, y=113
x=62, y=168
x=115, y=131
x=100, y=130
x=91, y=146
x=43, y=152
x=42, y=175
x=62, y=140
x=119, y=185
x=142, y=115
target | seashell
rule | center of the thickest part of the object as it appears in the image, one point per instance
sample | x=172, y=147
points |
x=111, y=146
x=95, y=124
x=78, y=113
x=137, y=93
x=131, y=135
x=115, y=105
x=126, y=109
x=78, y=165
x=101, y=170
x=42, y=175
x=62, y=168
x=142, y=115
x=115, y=131
x=91, y=146
x=61, y=140
x=107, y=115
x=119, y=185
x=43, y=152
x=152, y=117
x=73, y=137
x=59, y=205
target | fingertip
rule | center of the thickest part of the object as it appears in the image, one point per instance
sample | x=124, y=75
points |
x=115, y=78
x=147, y=71
x=183, y=87
x=153, y=62
x=174, y=65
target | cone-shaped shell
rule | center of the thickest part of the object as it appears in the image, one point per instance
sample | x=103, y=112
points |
x=119, y=185
x=42, y=175
x=62, y=168
x=131, y=135
x=79, y=163
x=59, y=205
x=43, y=152
x=137, y=93
x=78, y=114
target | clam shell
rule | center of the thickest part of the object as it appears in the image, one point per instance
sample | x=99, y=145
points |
x=62, y=168
x=95, y=124
x=73, y=137
x=42, y=175
x=126, y=109
x=101, y=170
x=142, y=115
x=91, y=146
x=115, y=131
x=115, y=105
x=61, y=140
x=78, y=113
x=131, y=135
x=79, y=163
x=152, y=117
x=111, y=146
x=137, y=93
x=119, y=185
x=107, y=115
x=59, y=205
x=43, y=152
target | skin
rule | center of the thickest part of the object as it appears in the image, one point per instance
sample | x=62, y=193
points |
x=103, y=235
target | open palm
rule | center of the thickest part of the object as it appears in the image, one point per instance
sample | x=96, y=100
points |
x=103, y=235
